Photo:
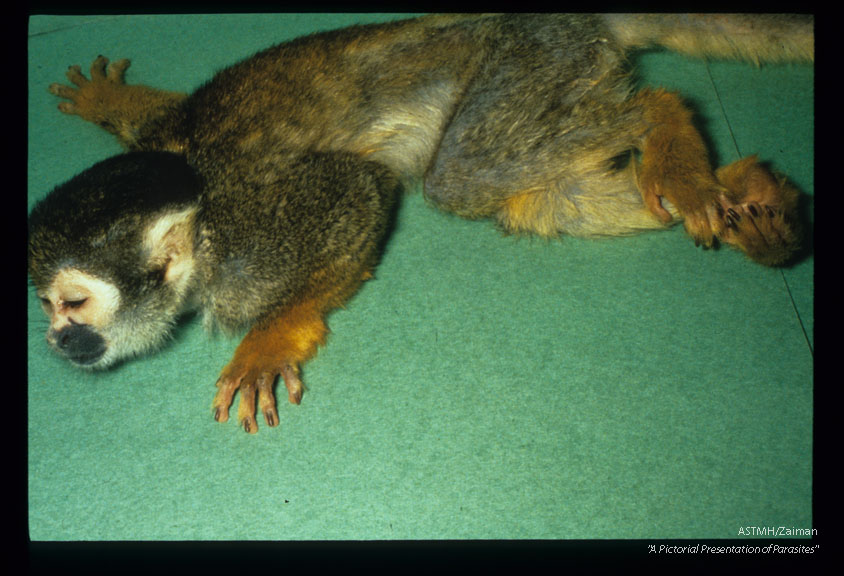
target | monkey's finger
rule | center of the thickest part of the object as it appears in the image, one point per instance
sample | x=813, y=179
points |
x=246, y=409
x=715, y=213
x=223, y=399
x=68, y=108
x=74, y=74
x=62, y=91
x=117, y=70
x=765, y=220
x=266, y=398
x=699, y=229
x=294, y=385
x=98, y=68
x=654, y=204
x=651, y=196
x=67, y=92
x=748, y=226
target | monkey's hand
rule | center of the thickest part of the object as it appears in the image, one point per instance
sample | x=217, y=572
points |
x=252, y=378
x=758, y=211
x=107, y=101
x=272, y=348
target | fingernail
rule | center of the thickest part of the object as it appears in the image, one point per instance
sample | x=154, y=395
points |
x=217, y=414
x=734, y=214
x=770, y=211
x=271, y=421
x=752, y=210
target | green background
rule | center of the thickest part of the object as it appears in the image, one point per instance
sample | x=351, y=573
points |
x=481, y=386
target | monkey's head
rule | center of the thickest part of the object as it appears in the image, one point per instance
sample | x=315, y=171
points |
x=111, y=256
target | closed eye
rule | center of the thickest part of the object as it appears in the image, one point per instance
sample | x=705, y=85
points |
x=73, y=304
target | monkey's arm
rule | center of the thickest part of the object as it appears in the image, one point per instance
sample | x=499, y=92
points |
x=107, y=101
x=275, y=347
x=292, y=251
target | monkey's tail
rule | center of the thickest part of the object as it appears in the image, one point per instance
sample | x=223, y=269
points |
x=758, y=38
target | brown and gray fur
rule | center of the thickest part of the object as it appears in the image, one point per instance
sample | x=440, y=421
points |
x=288, y=165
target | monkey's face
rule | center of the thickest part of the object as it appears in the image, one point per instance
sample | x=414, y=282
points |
x=94, y=326
x=80, y=308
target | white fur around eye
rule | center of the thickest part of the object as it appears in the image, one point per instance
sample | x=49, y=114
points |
x=87, y=299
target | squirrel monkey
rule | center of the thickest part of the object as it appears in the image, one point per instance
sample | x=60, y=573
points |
x=262, y=198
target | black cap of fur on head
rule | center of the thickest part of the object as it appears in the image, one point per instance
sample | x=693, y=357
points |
x=97, y=216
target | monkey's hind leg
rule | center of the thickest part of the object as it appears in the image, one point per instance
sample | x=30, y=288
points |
x=742, y=204
x=107, y=101
x=675, y=166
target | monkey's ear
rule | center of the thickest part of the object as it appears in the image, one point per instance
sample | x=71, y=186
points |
x=168, y=242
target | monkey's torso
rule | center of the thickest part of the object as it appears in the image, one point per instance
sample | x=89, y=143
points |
x=429, y=99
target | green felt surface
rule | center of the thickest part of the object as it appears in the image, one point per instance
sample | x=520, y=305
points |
x=480, y=387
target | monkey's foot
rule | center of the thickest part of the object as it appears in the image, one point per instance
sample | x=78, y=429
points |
x=107, y=101
x=90, y=95
x=758, y=211
x=277, y=346
x=694, y=200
